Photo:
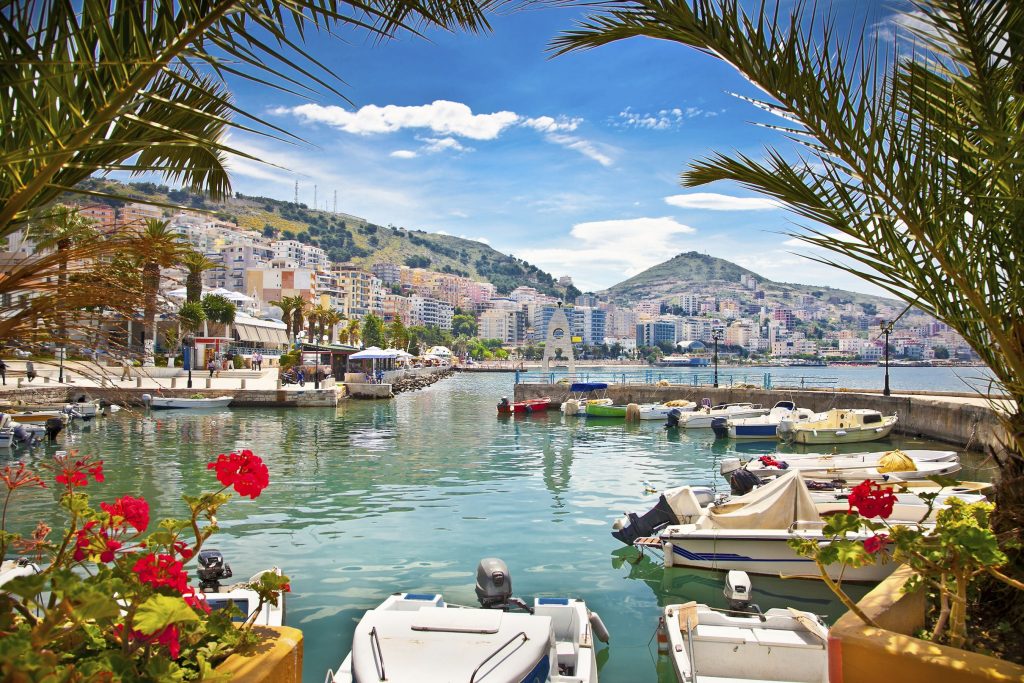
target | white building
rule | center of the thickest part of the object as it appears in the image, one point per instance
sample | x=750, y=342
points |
x=303, y=255
x=425, y=310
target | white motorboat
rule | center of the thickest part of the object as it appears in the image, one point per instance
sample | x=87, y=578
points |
x=741, y=645
x=762, y=426
x=701, y=418
x=14, y=433
x=660, y=411
x=174, y=403
x=751, y=533
x=839, y=425
x=855, y=467
x=213, y=568
x=419, y=638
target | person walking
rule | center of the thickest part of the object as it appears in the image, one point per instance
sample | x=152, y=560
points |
x=126, y=367
x=301, y=376
x=30, y=370
x=3, y=371
x=212, y=367
x=257, y=361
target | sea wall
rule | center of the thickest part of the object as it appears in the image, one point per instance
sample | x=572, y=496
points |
x=309, y=398
x=940, y=417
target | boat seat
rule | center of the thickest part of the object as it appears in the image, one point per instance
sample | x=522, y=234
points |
x=791, y=639
x=724, y=634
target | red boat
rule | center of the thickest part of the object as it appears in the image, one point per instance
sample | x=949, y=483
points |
x=527, y=406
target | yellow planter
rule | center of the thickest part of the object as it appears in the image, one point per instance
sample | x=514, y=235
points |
x=862, y=654
x=277, y=659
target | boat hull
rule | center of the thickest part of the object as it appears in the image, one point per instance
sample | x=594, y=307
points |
x=162, y=403
x=701, y=420
x=528, y=406
x=761, y=432
x=598, y=410
x=765, y=552
x=837, y=436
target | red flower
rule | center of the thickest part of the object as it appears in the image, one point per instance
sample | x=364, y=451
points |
x=73, y=475
x=89, y=544
x=169, y=637
x=195, y=599
x=872, y=500
x=97, y=471
x=182, y=548
x=245, y=471
x=20, y=477
x=875, y=543
x=128, y=510
x=72, y=478
x=161, y=570
x=286, y=588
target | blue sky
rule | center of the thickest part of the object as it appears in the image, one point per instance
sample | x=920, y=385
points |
x=571, y=162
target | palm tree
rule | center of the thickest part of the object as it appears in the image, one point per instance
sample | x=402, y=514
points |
x=330, y=322
x=353, y=332
x=318, y=320
x=155, y=247
x=196, y=264
x=219, y=310
x=62, y=228
x=912, y=170
x=287, y=305
x=299, y=306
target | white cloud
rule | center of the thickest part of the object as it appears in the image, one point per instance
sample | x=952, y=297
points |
x=404, y=154
x=711, y=201
x=440, y=116
x=435, y=145
x=584, y=147
x=546, y=124
x=663, y=119
x=602, y=253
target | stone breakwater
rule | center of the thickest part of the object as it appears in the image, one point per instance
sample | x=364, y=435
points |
x=419, y=382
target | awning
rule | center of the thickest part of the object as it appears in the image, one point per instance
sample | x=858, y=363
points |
x=373, y=353
x=260, y=333
x=247, y=333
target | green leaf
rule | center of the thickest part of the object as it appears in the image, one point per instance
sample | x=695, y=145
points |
x=160, y=611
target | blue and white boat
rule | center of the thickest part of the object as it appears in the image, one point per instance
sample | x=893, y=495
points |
x=419, y=638
x=765, y=427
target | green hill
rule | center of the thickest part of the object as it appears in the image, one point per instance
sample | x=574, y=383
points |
x=693, y=271
x=349, y=239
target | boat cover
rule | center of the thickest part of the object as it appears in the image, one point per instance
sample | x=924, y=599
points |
x=588, y=386
x=776, y=505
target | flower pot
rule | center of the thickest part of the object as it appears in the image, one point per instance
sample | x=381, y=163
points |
x=277, y=658
x=860, y=654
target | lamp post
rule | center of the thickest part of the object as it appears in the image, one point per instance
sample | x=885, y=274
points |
x=60, y=372
x=886, y=330
x=189, y=356
x=716, y=335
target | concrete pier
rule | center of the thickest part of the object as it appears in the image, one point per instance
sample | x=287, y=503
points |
x=964, y=420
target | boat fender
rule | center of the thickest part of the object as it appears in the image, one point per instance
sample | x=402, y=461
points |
x=841, y=432
x=662, y=637
x=669, y=551
x=600, y=630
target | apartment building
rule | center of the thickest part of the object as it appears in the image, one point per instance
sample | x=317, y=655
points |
x=397, y=306
x=303, y=255
x=508, y=325
x=427, y=310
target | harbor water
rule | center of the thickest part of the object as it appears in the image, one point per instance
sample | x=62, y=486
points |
x=409, y=494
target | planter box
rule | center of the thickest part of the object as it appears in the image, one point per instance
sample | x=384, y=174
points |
x=277, y=659
x=862, y=654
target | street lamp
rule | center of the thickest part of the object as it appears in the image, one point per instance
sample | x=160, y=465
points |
x=886, y=330
x=716, y=335
x=60, y=372
x=189, y=356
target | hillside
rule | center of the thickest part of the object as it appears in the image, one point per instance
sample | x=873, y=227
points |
x=692, y=271
x=348, y=238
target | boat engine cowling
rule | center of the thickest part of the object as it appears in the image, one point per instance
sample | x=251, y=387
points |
x=727, y=465
x=672, y=419
x=720, y=426
x=738, y=590
x=493, y=583
x=742, y=482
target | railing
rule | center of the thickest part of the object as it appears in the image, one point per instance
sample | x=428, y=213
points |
x=521, y=634
x=703, y=378
x=378, y=655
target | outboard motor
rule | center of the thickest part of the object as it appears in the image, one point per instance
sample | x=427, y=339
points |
x=147, y=399
x=743, y=481
x=503, y=403
x=728, y=465
x=23, y=436
x=53, y=427
x=212, y=568
x=493, y=583
x=720, y=426
x=739, y=592
x=672, y=419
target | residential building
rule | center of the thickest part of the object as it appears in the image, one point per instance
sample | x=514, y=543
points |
x=303, y=255
x=389, y=273
x=507, y=325
x=589, y=324
x=397, y=306
x=427, y=310
x=104, y=217
x=361, y=292
x=136, y=214
x=272, y=284
x=655, y=331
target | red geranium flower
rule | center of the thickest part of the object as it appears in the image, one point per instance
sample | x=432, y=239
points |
x=20, y=477
x=245, y=471
x=195, y=599
x=161, y=570
x=872, y=500
x=875, y=543
x=97, y=471
x=89, y=543
x=128, y=510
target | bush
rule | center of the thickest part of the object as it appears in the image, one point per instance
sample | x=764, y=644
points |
x=238, y=361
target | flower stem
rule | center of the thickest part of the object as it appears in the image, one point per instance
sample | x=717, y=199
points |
x=843, y=597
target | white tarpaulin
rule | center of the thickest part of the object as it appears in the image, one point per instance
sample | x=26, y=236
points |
x=775, y=505
x=373, y=353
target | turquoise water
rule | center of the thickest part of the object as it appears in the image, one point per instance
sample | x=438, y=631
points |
x=410, y=494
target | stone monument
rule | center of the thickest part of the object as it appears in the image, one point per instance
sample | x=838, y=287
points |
x=559, y=338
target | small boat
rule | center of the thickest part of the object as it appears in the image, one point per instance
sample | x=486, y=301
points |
x=605, y=410
x=839, y=425
x=911, y=464
x=213, y=568
x=763, y=426
x=38, y=416
x=702, y=417
x=14, y=433
x=751, y=533
x=527, y=406
x=419, y=638
x=660, y=411
x=173, y=403
x=744, y=644
x=582, y=406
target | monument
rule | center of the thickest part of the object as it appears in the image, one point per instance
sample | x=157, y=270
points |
x=559, y=339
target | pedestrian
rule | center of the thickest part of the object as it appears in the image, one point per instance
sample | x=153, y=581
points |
x=30, y=370
x=301, y=377
x=212, y=367
x=3, y=371
x=258, y=360
x=126, y=367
